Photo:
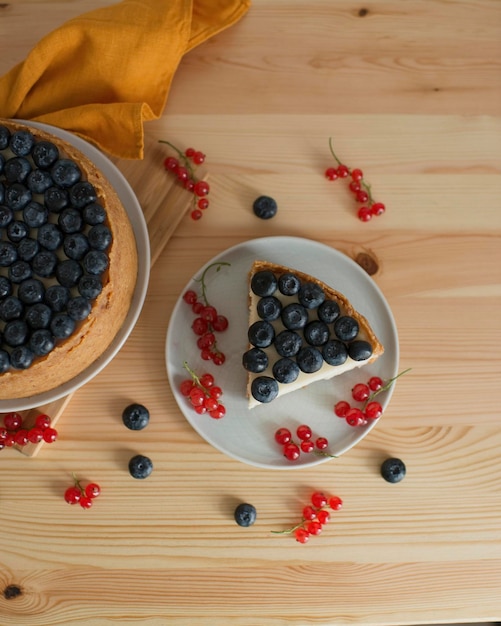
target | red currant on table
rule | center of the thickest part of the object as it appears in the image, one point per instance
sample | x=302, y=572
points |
x=78, y=494
x=202, y=393
x=20, y=432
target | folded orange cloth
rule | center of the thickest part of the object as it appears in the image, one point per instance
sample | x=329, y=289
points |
x=104, y=73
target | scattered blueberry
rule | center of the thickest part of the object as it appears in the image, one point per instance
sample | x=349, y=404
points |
x=136, y=416
x=19, y=272
x=6, y=216
x=140, y=466
x=4, y=137
x=4, y=361
x=5, y=287
x=264, y=389
x=27, y=249
x=393, y=470
x=245, y=514
x=38, y=316
x=8, y=253
x=265, y=207
x=11, y=308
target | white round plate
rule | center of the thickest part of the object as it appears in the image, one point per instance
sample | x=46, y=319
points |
x=135, y=213
x=248, y=435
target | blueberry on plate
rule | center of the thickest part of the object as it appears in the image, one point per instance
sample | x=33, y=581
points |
x=264, y=389
x=245, y=514
x=255, y=360
x=135, y=416
x=393, y=470
x=140, y=466
x=265, y=207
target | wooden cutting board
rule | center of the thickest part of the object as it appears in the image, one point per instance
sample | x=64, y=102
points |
x=165, y=203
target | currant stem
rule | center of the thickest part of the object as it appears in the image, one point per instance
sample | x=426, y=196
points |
x=326, y=454
x=201, y=280
x=389, y=383
x=181, y=156
x=195, y=378
x=333, y=153
x=288, y=531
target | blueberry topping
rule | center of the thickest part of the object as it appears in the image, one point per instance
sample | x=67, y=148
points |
x=294, y=316
x=16, y=231
x=285, y=370
x=65, y=173
x=31, y=291
x=8, y=253
x=4, y=361
x=21, y=142
x=27, y=249
x=288, y=343
x=38, y=181
x=264, y=389
x=57, y=297
x=11, y=308
x=316, y=333
x=289, y=284
x=269, y=308
x=311, y=295
x=245, y=514
x=95, y=262
x=35, y=214
x=5, y=287
x=334, y=352
x=21, y=358
x=4, y=137
x=62, y=326
x=309, y=359
x=19, y=271
x=393, y=470
x=346, y=328
x=136, y=416
x=359, y=350
x=17, y=196
x=90, y=287
x=328, y=311
x=264, y=283
x=78, y=308
x=140, y=466
x=76, y=246
x=261, y=334
x=100, y=237
x=265, y=207
x=44, y=263
x=68, y=273
x=56, y=199
x=16, y=170
x=45, y=154
x=81, y=194
x=255, y=360
x=70, y=221
x=94, y=214
x=15, y=333
x=39, y=316
x=41, y=342
x=50, y=236
x=6, y=216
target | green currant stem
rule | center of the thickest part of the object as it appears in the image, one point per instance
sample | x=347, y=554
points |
x=333, y=153
x=77, y=482
x=195, y=378
x=201, y=280
x=367, y=188
x=181, y=156
x=389, y=383
x=322, y=453
x=288, y=531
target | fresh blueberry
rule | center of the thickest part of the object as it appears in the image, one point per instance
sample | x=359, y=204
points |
x=2, y=164
x=68, y=273
x=17, y=196
x=264, y=283
x=4, y=137
x=287, y=343
x=56, y=199
x=334, y=352
x=346, y=328
x=135, y=416
x=328, y=311
x=5, y=287
x=309, y=359
x=65, y=173
x=35, y=214
x=79, y=308
x=261, y=334
x=38, y=315
x=70, y=221
x=38, y=181
x=264, y=389
x=294, y=316
x=11, y=308
x=100, y=237
x=4, y=361
x=76, y=246
x=393, y=470
x=15, y=333
x=289, y=284
x=19, y=271
x=44, y=263
x=31, y=291
x=94, y=214
x=316, y=333
x=285, y=370
x=41, y=342
x=8, y=253
x=50, y=236
x=21, y=358
x=265, y=207
x=6, y=216
x=57, y=297
x=311, y=295
x=27, y=248
x=21, y=142
x=140, y=466
x=245, y=514
x=359, y=350
x=95, y=262
x=16, y=170
x=2, y=193
x=81, y=194
x=62, y=326
x=269, y=308
x=17, y=230
x=90, y=287
x=44, y=154
x=255, y=360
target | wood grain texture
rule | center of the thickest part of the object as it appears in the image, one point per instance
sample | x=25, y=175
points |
x=411, y=93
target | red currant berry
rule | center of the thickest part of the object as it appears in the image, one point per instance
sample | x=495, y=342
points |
x=321, y=443
x=50, y=435
x=8, y=441
x=219, y=358
x=85, y=502
x=200, y=409
x=343, y=171
x=341, y=408
x=200, y=326
x=220, y=324
x=218, y=412
x=206, y=341
x=185, y=387
x=189, y=152
x=357, y=174
x=211, y=404
x=309, y=513
x=216, y=392
x=209, y=313
x=42, y=421
x=360, y=392
x=314, y=528
x=355, y=417
x=302, y=535
x=201, y=188
x=182, y=173
x=189, y=184
x=198, y=157
x=72, y=495
x=13, y=421
x=335, y=503
x=206, y=354
x=364, y=214
x=207, y=380
x=304, y=432
x=331, y=173
x=196, y=215
x=307, y=446
x=375, y=383
x=35, y=435
x=3, y=433
x=197, y=396
x=92, y=490
x=292, y=451
x=197, y=307
x=373, y=410
x=323, y=516
x=362, y=196
x=203, y=204
x=354, y=186
x=283, y=436
x=21, y=437
x=318, y=499
x=378, y=208
x=171, y=163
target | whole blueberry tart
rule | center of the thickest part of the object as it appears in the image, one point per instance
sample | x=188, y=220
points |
x=68, y=261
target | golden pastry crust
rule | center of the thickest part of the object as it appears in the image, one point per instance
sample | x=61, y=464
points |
x=346, y=307
x=92, y=336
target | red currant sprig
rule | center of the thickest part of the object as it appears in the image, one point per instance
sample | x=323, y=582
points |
x=315, y=516
x=208, y=320
x=203, y=393
x=16, y=433
x=307, y=443
x=365, y=393
x=182, y=167
x=84, y=496
x=357, y=185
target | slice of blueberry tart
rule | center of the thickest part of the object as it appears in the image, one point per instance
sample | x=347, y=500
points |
x=68, y=261
x=300, y=331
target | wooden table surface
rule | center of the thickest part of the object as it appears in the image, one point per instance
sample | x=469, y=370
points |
x=411, y=93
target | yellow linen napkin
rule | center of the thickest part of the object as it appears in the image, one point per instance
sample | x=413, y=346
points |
x=104, y=73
